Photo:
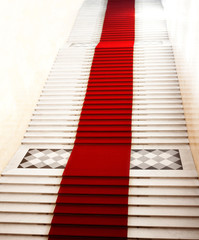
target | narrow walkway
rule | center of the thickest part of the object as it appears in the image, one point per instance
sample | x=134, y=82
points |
x=164, y=186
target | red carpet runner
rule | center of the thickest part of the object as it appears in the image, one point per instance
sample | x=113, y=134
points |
x=93, y=196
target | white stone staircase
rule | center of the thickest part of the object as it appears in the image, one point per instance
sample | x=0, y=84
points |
x=163, y=204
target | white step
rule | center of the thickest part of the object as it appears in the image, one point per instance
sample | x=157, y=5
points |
x=59, y=112
x=49, y=189
x=133, y=173
x=134, y=117
x=133, y=191
x=134, y=128
x=164, y=191
x=31, y=180
x=164, y=211
x=132, y=221
x=80, y=97
x=24, y=229
x=151, y=233
x=132, y=200
x=22, y=237
x=60, y=84
x=48, y=181
x=135, y=134
x=163, y=222
x=141, y=89
x=25, y=218
x=147, y=233
x=163, y=201
x=26, y=208
x=135, y=101
x=135, y=107
x=70, y=92
x=132, y=211
x=138, y=141
x=32, y=198
x=134, y=123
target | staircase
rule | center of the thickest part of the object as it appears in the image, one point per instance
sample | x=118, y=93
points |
x=164, y=186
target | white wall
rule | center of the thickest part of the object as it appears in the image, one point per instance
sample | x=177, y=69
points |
x=183, y=26
x=32, y=31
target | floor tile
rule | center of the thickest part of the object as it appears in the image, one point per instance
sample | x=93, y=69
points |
x=45, y=158
x=157, y=159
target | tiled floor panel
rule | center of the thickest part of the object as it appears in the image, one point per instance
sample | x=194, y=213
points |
x=142, y=159
x=156, y=159
x=45, y=158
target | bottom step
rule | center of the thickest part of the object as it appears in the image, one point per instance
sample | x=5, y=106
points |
x=40, y=233
x=150, y=233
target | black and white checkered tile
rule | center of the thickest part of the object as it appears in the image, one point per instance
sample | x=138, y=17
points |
x=45, y=158
x=156, y=159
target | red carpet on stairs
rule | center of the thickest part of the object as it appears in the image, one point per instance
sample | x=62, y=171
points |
x=93, y=198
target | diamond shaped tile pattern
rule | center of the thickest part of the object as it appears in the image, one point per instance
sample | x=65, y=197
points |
x=45, y=158
x=156, y=159
x=152, y=159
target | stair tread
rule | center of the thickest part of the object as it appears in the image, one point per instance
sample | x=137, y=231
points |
x=133, y=200
x=132, y=173
x=137, y=190
x=132, y=182
x=147, y=233
x=132, y=221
